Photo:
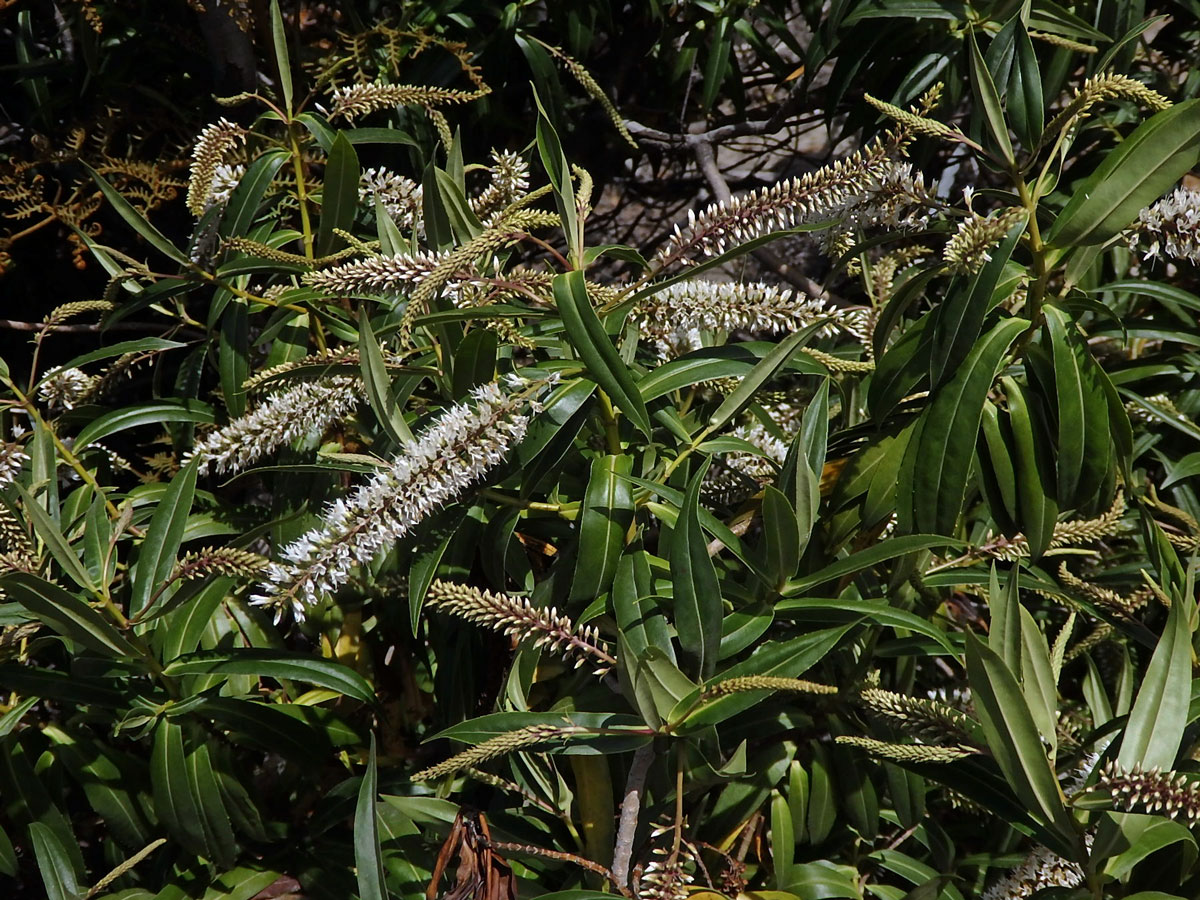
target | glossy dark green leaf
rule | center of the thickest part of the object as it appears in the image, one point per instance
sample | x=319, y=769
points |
x=1024, y=95
x=109, y=790
x=716, y=61
x=780, y=659
x=988, y=99
x=937, y=464
x=697, y=593
x=283, y=65
x=781, y=534
x=996, y=469
x=1137, y=172
x=147, y=345
x=1013, y=740
x=134, y=415
x=639, y=619
x=1085, y=442
x=233, y=354
x=1034, y=464
x=866, y=559
x=783, y=839
x=474, y=361
x=378, y=383
x=764, y=371
x=559, y=171
x=47, y=531
x=174, y=802
x=214, y=817
x=959, y=319
x=339, y=195
x=596, y=350
x=66, y=614
x=463, y=221
x=58, y=874
x=272, y=664
x=368, y=857
x=135, y=219
x=1156, y=722
x=242, y=207
x=605, y=518
x=159, y=549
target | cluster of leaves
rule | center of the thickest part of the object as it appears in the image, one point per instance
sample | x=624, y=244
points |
x=436, y=548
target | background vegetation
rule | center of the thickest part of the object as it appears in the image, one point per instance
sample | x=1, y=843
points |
x=580, y=449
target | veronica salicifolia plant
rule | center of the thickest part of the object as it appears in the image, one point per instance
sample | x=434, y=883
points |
x=834, y=540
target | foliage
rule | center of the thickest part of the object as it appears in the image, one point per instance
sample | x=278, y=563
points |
x=435, y=545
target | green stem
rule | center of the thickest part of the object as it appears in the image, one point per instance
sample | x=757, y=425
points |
x=301, y=190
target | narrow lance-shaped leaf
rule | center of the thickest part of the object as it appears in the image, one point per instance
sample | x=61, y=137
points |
x=697, y=592
x=1160, y=712
x=1016, y=745
x=156, y=557
x=339, y=194
x=605, y=518
x=1137, y=172
x=937, y=464
x=368, y=858
x=595, y=348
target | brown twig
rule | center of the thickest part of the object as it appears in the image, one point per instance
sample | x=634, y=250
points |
x=635, y=784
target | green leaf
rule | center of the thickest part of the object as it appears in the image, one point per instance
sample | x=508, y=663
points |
x=716, y=62
x=1013, y=740
x=66, y=614
x=233, y=354
x=463, y=221
x=697, y=593
x=379, y=384
x=595, y=348
x=959, y=319
x=339, y=195
x=1033, y=460
x=1160, y=712
x=58, y=874
x=273, y=664
x=781, y=659
x=605, y=518
x=134, y=415
x=770, y=365
x=108, y=789
x=639, y=620
x=781, y=534
x=1024, y=95
x=1141, y=169
x=157, y=554
x=711, y=363
x=559, y=171
x=141, y=345
x=243, y=206
x=46, y=530
x=174, y=802
x=136, y=220
x=283, y=64
x=988, y=100
x=880, y=613
x=783, y=839
x=933, y=478
x=1085, y=442
x=866, y=559
x=368, y=857
x=214, y=818
x=474, y=361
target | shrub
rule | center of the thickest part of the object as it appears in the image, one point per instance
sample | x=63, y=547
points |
x=435, y=547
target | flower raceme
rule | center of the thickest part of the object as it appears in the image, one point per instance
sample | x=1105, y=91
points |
x=465, y=442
